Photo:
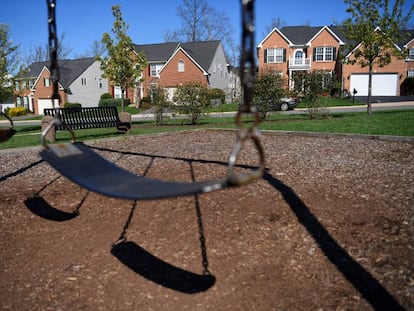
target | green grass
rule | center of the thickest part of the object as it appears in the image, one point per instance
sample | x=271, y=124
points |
x=395, y=123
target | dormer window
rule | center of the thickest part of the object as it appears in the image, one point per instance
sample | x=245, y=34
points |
x=180, y=66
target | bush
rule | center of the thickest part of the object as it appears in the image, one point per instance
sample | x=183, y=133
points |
x=115, y=102
x=191, y=99
x=106, y=96
x=16, y=111
x=216, y=96
x=72, y=105
x=160, y=103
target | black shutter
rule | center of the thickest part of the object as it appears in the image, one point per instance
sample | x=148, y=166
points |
x=284, y=55
x=314, y=54
x=334, y=53
x=265, y=56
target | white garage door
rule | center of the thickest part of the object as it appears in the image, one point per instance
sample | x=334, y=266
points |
x=382, y=84
x=44, y=103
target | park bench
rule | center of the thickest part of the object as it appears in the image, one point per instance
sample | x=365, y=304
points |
x=85, y=118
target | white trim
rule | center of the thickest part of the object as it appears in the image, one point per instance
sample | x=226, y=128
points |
x=186, y=54
x=40, y=74
x=270, y=33
x=330, y=31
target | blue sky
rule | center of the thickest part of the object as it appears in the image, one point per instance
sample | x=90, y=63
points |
x=84, y=21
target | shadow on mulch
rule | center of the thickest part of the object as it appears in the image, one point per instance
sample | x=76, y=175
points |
x=152, y=268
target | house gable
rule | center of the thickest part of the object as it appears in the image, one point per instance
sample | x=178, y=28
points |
x=324, y=32
x=171, y=75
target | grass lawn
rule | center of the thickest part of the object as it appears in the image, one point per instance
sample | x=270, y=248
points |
x=396, y=123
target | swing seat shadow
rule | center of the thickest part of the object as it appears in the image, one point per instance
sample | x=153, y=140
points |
x=38, y=206
x=158, y=271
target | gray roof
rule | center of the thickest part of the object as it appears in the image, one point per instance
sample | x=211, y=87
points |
x=202, y=52
x=70, y=69
x=160, y=52
x=300, y=35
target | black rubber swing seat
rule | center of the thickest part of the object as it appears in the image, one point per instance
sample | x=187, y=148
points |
x=88, y=169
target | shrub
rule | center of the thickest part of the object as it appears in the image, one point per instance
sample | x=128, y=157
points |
x=106, y=96
x=191, y=99
x=116, y=102
x=268, y=90
x=160, y=103
x=16, y=111
x=72, y=105
x=216, y=96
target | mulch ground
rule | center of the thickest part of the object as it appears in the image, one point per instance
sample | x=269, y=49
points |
x=329, y=227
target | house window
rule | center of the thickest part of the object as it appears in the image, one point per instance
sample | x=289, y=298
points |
x=180, y=66
x=410, y=73
x=155, y=69
x=83, y=81
x=18, y=101
x=299, y=58
x=277, y=55
x=46, y=82
x=17, y=86
x=26, y=102
x=324, y=54
x=31, y=83
x=411, y=54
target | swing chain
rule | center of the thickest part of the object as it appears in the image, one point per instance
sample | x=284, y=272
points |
x=247, y=77
x=54, y=73
x=53, y=50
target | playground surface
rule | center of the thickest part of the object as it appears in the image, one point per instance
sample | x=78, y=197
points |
x=329, y=227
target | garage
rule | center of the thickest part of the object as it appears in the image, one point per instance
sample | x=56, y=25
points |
x=42, y=104
x=382, y=84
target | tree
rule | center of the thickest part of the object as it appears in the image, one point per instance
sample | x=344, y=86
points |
x=310, y=85
x=276, y=22
x=268, y=90
x=376, y=26
x=41, y=52
x=8, y=63
x=202, y=22
x=191, y=99
x=122, y=65
x=159, y=99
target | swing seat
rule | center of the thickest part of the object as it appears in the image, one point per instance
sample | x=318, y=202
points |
x=83, y=166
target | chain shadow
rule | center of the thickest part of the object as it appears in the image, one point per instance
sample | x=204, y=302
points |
x=363, y=281
x=20, y=171
x=157, y=270
x=40, y=207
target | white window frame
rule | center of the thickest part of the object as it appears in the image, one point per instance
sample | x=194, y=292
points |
x=155, y=69
x=47, y=82
x=410, y=73
x=324, y=54
x=181, y=66
x=275, y=55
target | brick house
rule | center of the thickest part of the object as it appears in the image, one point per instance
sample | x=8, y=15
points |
x=292, y=49
x=172, y=64
x=80, y=81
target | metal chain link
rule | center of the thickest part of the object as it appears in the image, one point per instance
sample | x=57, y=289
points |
x=247, y=77
x=53, y=50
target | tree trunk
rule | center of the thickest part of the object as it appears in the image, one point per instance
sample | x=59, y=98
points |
x=369, y=108
x=122, y=99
